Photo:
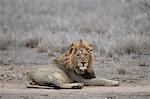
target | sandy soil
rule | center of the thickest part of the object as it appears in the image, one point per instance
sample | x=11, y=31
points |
x=134, y=71
x=134, y=81
x=10, y=91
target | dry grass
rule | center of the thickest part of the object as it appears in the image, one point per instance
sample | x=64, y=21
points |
x=51, y=26
x=94, y=24
x=42, y=48
x=4, y=44
x=31, y=42
x=133, y=43
x=6, y=41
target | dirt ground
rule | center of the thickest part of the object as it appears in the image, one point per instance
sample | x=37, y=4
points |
x=134, y=74
x=121, y=92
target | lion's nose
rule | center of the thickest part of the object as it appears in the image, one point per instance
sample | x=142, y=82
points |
x=83, y=63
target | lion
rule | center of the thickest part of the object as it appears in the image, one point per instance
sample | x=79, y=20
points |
x=71, y=70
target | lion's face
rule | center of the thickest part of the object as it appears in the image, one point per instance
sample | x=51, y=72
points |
x=79, y=58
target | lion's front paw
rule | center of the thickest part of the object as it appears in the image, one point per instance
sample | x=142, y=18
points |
x=78, y=86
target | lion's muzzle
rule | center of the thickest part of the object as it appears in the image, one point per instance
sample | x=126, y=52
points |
x=83, y=68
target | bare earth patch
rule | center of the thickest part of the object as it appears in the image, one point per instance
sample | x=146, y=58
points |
x=18, y=91
x=134, y=82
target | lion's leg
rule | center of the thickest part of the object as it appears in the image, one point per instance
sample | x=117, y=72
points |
x=51, y=83
x=100, y=82
x=61, y=85
x=30, y=85
x=92, y=82
x=72, y=86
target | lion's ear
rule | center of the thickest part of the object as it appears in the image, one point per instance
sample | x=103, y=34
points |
x=90, y=47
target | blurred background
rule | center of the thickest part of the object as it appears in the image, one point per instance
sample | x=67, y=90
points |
x=34, y=32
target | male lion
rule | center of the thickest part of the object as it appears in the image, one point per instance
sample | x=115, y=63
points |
x=71, y=70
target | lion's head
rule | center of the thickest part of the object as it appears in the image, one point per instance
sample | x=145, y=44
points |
x=79, y=58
